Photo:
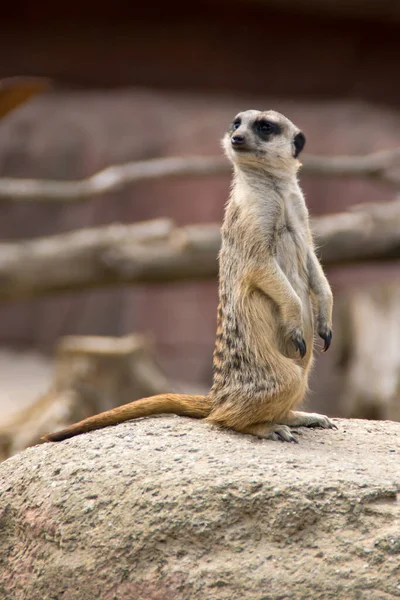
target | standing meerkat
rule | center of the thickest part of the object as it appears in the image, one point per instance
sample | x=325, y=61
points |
x=270, y=285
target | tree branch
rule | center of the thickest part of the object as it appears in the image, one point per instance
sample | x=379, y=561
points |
x=149, y=252
x=15, y=91
x=111, y=179
x=159, y=252
x=378, y=166
x=369, y=231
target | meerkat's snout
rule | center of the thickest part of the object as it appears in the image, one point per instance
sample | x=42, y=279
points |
x=238, y=141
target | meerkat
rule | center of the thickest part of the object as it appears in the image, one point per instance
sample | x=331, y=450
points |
x=270, y=285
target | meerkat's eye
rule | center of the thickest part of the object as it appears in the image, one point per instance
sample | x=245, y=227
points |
x=236, y=124
x=267, y=127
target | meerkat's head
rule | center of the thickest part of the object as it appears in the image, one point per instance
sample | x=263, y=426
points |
x=265, y=140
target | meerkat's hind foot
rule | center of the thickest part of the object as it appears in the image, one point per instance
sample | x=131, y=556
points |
x=317, y=420
x=281, y=433
x=304, y=419
x=270, y=431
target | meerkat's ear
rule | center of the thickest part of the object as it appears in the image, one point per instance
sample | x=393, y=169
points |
x=299, y=143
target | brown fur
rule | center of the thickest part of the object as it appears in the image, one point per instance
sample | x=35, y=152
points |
x=270, y=278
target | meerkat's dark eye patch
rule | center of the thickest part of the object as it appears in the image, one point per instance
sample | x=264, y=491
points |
x=264, y=127
x=299, y=143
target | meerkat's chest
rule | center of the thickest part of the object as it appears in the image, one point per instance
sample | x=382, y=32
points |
x=292, y=223
x=292, y=239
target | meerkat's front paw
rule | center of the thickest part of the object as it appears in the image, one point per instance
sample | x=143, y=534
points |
x=324, y=332
x=297, y=337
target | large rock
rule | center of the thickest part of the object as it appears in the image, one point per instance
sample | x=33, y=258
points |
x=169, y=509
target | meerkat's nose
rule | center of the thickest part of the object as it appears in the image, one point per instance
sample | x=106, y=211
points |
x=238, y=140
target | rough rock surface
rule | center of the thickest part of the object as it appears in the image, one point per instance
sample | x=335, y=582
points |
x=168, y=508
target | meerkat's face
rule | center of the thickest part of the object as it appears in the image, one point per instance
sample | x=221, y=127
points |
x=265, y=140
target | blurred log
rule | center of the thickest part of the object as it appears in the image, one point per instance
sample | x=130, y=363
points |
x=91, y=374
x=379, y=166
x=367, y=337
x=149, y=252
x=159, y=252
x=111, y=179
x=365, y=232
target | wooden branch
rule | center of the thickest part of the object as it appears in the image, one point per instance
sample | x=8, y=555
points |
x=150, y=252
x=111, y=179
x=378, y=166
x=15, y=91
x=369, y=231
x=159, y=252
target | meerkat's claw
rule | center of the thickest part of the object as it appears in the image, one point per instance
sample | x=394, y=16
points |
x=327, y=337
x=316, y=420
x=282, y=433
x=299, y=342
x=304, y=419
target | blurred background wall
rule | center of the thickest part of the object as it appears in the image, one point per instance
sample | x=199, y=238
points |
x=138, y=82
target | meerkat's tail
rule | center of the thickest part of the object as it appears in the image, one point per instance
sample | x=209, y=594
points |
x=196, y=407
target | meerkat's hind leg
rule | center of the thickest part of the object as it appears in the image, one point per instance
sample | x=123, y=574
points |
x=270, y=431
x=297, y=418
